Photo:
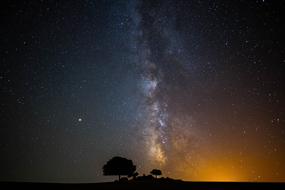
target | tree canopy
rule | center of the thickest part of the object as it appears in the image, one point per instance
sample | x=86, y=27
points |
x=119, y=166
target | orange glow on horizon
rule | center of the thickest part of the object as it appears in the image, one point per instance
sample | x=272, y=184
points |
x=215, y=173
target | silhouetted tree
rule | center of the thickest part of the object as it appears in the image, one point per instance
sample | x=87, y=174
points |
x=155, y=172
x=119, y=166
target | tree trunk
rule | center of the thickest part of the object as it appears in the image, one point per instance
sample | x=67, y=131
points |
x=119, y=177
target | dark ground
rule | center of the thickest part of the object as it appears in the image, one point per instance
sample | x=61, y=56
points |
x=150, y=185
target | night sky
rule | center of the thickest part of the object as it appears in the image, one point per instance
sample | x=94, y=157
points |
x=192, y=87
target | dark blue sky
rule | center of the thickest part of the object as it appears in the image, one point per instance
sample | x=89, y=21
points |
x=178, y=85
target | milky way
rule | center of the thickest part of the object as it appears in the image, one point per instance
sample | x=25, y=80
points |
x=162, y=73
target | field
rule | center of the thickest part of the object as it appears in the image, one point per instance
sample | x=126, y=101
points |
x=150, y=185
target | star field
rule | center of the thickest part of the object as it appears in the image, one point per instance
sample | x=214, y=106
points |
x=194, y=88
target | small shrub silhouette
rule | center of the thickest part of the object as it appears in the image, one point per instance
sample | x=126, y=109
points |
x=156, y=172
